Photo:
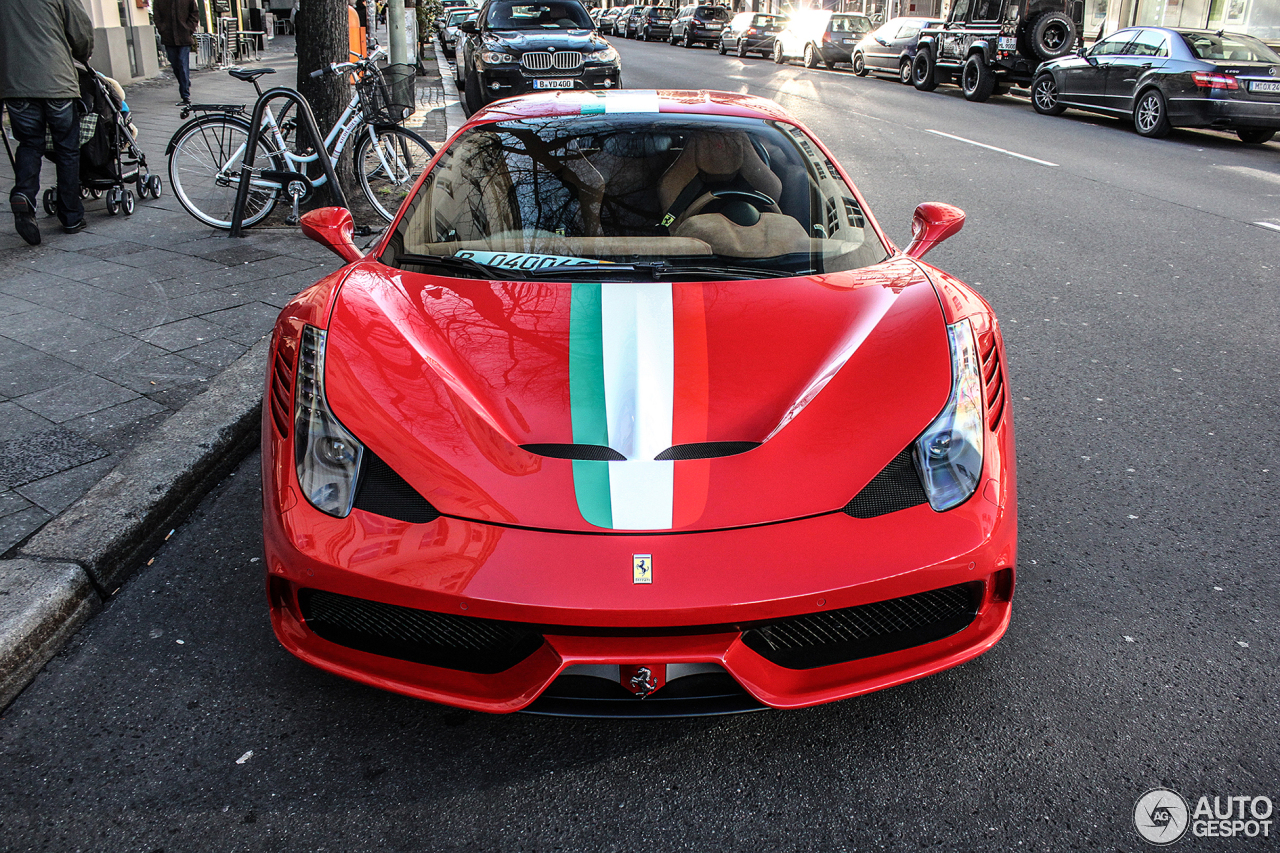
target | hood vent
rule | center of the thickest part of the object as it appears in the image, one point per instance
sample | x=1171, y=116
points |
x=705, y=450
x=992, y=379
x=586, y=452
x=896, y=487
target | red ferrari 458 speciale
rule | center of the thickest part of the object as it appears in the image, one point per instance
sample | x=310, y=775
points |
x=635, y=411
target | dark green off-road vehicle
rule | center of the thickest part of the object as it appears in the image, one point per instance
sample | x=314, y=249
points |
x=986, y=46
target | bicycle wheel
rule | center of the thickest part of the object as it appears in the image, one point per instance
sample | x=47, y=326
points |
x=204, y=171
x=389, y=169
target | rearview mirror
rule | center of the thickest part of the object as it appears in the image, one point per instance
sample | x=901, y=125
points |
x=932, y=223
x=332, y=228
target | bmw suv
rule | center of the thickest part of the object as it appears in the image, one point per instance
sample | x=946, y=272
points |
x=518, y=46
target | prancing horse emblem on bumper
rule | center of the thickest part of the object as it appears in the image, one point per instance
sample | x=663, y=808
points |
x=642, y=568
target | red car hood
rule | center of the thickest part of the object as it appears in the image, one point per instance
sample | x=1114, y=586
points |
x=449, y=380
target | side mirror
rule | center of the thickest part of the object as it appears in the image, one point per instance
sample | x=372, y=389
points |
x=332, y=228
x=469, y=27
x=932, y=223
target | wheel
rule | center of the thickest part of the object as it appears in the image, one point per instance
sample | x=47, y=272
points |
x=859, y=65
x=113, y=202
x=388, y=170
x=157, y=185
x=472, y=97
x=688, y=39
x=720, y=48
x=1150, y=116
x=204, y=171
x=84, y=192
x=644, y=35
x=50, y=202
x=742, y=48
x=1044, y=96
x=1052, y=34
x=778, y=56
x=1255, y=135
x=922, y=76
x=97, y=194
x=128, y=202
x=977, y=80
x=671, y=39
x=904, y=72
x=810, y=56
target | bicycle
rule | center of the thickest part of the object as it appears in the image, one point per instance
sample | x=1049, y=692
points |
x=206, y=153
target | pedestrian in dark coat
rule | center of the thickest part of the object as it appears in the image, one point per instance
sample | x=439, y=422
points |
x=39, y=40
x=176, y=21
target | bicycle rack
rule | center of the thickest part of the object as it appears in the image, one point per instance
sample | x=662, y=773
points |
x=336, y=193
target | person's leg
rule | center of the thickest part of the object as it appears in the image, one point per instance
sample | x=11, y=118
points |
x=63, y=120
x=174, y=53
x=184, y=76
x=27, y=118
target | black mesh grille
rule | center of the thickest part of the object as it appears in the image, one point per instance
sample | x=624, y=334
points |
x=692, y=696
x=706, y=450
x=384, y=492
x=422, y=636
x=822, y=639
x=896, y=487
x=588, y=452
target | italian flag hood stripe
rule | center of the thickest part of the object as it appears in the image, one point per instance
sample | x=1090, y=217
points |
x=622, y=368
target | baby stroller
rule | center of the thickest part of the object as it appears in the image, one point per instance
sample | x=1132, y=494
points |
x=109, y=154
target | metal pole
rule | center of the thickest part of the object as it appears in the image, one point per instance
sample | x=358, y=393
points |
x=251, y=147
x=396, y=39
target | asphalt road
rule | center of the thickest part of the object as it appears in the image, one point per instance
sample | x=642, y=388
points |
x=1140, y=312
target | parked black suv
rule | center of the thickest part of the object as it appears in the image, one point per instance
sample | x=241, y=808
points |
x=698, y=23
x=988, y=45
x=518, y=46
x=655, y=23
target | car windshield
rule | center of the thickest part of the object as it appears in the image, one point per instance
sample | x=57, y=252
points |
x=538, y=16
x=1229, y=47
x=634, y=196
x=850, y=24
x=712, y=13
x=456, y=18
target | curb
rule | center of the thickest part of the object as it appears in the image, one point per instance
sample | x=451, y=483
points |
x=454, y=117
x=72, y=565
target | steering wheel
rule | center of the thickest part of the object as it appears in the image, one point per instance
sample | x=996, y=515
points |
x=741, y=207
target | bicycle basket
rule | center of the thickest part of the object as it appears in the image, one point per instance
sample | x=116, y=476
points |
x=387, y=95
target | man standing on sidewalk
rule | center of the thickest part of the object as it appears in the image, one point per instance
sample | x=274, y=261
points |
x=38, y=41
x=176, y=21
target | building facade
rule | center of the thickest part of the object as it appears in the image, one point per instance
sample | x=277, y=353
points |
x=124, y=41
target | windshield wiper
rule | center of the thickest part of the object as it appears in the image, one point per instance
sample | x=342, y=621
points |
x=453, y=264
x=663, y=269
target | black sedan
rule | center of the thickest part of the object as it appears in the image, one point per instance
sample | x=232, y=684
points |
x=1165, y=78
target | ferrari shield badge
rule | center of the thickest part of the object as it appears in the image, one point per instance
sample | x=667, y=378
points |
x=642, y=568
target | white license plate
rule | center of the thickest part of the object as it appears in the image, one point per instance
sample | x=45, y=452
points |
x=1265, y=86
x=553, y=84
x=1007, y=43
x=849, y=41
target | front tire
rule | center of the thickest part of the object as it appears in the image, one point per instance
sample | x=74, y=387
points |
x=1044, y=96
x=810, y=56
x=1255, y=135
x=388, y=171
x=922, y=75
x=977, y=80
x=778, y=56
x=1151, y=115
x=859, y=65
x=720, y=47
x=204, y=171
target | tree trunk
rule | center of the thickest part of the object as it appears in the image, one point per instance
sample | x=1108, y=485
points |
x=322, y=38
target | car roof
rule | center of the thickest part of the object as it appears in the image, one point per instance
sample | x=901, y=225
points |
x=666, y=101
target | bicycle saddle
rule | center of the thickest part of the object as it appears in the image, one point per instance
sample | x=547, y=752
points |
x=250, y=74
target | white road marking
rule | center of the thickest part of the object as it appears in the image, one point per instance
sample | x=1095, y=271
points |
x=993, y=148
x=1271, y=225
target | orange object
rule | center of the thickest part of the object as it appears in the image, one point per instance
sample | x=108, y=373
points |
x=355, y=33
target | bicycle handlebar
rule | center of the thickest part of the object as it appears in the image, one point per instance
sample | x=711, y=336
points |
x=340, y=67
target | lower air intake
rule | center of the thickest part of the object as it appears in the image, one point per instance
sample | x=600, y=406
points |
x=382, y=491
x=839, y=636
x=422, y=636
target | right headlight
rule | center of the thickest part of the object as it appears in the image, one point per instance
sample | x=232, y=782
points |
x=493, y=57
x=327, y=455
x=949, y=453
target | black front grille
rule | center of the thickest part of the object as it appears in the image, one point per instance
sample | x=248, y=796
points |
x=896, y=487
x=839, y=636
x=438, y=639
x=702, y=695
x=588, y=452
x=384, y=492
x=706, y=450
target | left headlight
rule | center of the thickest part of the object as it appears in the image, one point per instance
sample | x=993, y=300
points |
x=949, y=453
x=608, y=55
x=493, y=57
x=325, y=452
